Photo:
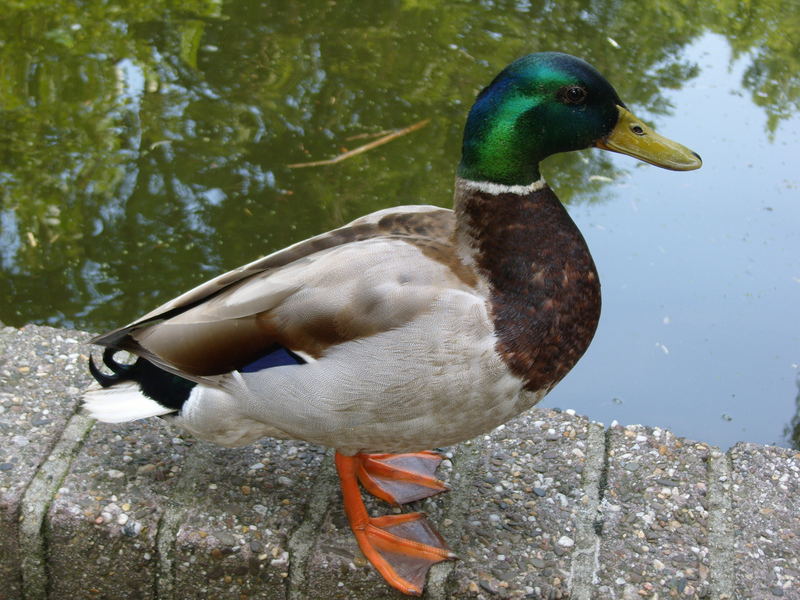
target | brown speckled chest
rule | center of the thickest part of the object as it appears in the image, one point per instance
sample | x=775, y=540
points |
x=544, y=288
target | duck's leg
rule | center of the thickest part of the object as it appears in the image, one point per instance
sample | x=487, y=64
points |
x=401, y=547
x=400, y=478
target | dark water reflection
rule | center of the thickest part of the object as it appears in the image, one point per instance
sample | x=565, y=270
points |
x=144, y=148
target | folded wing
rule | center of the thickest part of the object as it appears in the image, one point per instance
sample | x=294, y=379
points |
x=372, y=275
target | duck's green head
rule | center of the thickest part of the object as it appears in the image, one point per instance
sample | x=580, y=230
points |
x=551, y=102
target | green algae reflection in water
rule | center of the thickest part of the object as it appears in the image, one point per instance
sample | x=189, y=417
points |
x=144, y=147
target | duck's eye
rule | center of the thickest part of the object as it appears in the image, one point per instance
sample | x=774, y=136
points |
x=573, y=94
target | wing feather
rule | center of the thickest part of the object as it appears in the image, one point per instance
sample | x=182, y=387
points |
x=372, y=275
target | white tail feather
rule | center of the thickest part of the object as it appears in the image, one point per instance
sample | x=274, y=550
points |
x=121, y=402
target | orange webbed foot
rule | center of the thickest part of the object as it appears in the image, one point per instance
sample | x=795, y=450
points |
x=401, y=547
x=400, y=478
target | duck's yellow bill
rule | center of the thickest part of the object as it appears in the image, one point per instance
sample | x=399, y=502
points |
x=631, y=136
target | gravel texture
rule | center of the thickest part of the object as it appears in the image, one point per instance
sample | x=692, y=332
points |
x=521, y=527
x=42, y=374
x=654, y=516
x=765, y=500
x=242, y=507
x=548, y=506
x=108, y=509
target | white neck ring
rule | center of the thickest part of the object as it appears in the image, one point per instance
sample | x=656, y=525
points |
x=495, y=189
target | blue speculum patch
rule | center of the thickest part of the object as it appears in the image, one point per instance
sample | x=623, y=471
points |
x=279, y=357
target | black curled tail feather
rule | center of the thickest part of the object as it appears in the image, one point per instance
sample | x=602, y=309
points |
x=121, y=372
x=169, y=390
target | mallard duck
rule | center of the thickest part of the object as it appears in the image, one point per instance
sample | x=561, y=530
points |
x=411, y=328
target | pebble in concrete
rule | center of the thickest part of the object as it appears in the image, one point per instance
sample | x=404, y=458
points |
x=655, y=517
x=521, y=526
x=108, y=509
x=765, y=500
x=42, y=374
x=242, y=506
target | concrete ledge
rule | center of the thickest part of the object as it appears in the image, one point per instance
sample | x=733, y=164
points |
x=549, y=506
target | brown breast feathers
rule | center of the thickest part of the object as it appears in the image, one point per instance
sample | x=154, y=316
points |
x=545, y=293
